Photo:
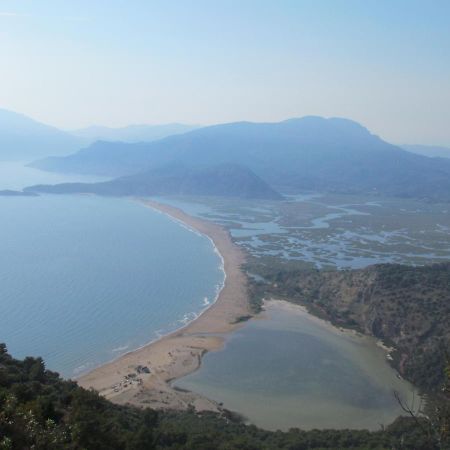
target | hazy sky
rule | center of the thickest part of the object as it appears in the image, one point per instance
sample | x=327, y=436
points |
x=75, y=63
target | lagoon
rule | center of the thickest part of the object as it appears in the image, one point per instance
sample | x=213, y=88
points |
x=289, y=369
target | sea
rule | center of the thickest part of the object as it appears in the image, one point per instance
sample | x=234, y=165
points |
x=85, y=279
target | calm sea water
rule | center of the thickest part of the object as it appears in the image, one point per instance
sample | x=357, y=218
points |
x=290, y=370
x=84, y=279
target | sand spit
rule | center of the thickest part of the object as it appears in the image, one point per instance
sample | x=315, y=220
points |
x=143, y=377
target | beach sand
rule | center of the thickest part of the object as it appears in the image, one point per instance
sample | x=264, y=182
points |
x=143, y=377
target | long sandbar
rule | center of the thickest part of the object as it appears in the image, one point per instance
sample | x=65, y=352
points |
x=125, y=380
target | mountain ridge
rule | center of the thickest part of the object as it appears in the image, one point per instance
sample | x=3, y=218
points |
x=23, y=138
x=226, y=180
x=309, y=153
x=132, y=133
x=432, y=151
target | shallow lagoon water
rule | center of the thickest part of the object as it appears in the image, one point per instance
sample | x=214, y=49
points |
x=340, y=231
x=293, y=370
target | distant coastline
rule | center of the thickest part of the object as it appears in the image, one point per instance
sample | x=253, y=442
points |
x=143, y=377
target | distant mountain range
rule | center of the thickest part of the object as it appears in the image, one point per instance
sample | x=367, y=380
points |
x=132, y=133
x=22, y=138
x=428, y=150
x=228, y=180
x=310, y=153
x=101, y=158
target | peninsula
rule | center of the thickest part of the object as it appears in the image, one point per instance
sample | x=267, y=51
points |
x=142, y=377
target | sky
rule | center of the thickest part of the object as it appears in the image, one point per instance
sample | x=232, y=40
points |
x=383, y=63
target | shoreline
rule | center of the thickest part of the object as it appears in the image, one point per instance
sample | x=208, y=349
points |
x=338, y=330
x=143, y=377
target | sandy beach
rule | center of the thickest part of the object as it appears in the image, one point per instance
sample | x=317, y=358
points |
x=143, y=377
